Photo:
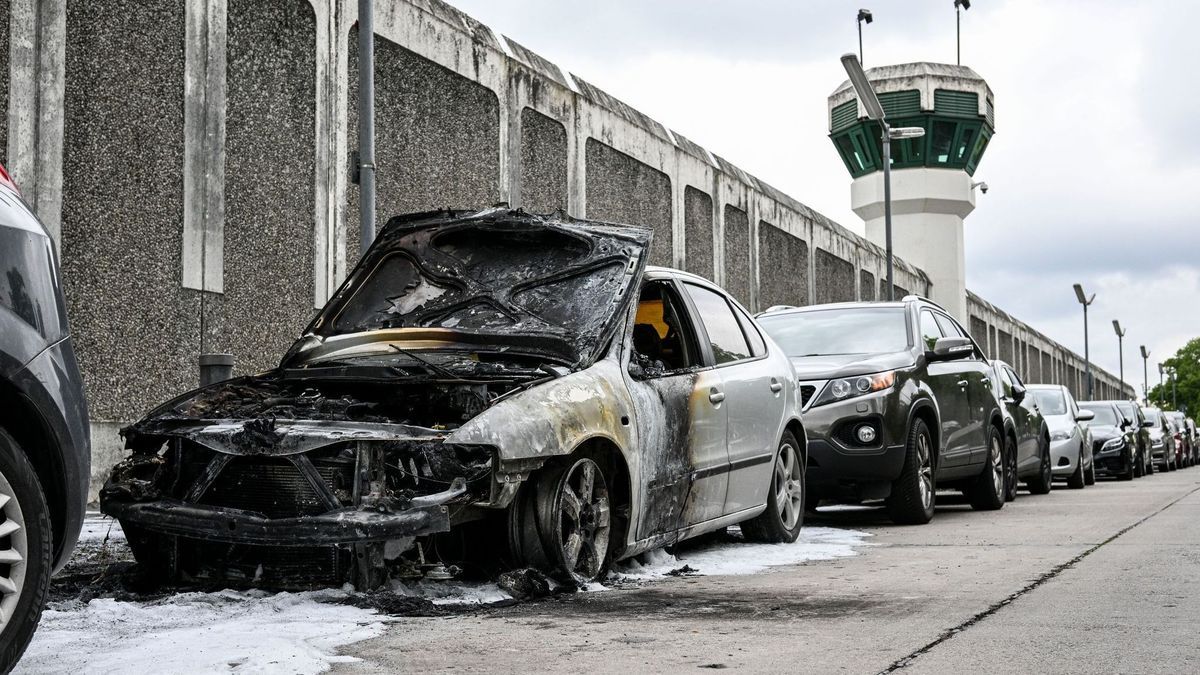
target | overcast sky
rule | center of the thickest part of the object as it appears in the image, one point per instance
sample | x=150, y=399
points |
x=1093, y=171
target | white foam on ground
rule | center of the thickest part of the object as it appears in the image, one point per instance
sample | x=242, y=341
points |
x=737, y=558
x=451, y=592
x=252, y=631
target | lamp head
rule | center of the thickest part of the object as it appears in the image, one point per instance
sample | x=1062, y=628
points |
x=864, y=15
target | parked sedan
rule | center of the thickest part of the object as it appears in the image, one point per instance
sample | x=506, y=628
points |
x=1184, y=450
x=45, y=452
x=1132, y=411
x=1026, y=434
x=1114, y=440
x=496, y=375
x=897, y=404
x=1162, y=440
x=1070, y=440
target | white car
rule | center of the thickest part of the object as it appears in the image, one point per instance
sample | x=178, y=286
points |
x=1070, y=439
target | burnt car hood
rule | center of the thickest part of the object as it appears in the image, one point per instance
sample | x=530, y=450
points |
x=848, y=365
x=498, y=278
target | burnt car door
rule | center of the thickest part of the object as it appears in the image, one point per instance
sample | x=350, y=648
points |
x=680, y=418
x=753, y=395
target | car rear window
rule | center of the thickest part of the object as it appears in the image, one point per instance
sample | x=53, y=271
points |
x=1051, y=401
x=826, y=332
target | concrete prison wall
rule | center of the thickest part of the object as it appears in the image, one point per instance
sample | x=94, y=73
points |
x=191, y=158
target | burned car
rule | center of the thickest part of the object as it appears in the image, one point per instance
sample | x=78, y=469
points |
x=524, y=381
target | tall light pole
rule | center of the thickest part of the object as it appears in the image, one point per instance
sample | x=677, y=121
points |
x=1120, y=349
x=1161, y=388
x=1087, y=359
x=366, y=124
x=1145, y=377
x=864, y=15
x=959, y=5
x=1174, y=396
x=870, y=101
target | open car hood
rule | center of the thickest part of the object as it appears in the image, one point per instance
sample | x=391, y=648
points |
x=494, y=279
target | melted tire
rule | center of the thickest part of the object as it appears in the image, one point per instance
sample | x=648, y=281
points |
x=905, y=504
x=18, y=630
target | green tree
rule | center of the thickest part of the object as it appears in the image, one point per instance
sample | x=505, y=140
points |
x=1186, y=364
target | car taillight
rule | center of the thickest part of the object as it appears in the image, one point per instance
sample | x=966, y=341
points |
x=6, y=179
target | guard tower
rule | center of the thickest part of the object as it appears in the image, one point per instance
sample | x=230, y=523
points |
x=932, y=177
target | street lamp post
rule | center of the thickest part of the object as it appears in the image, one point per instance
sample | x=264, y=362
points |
x=366, y=124
x=870, y=101
x=1120, y=349
x=864, y=15
x=1087, y=359
x=1145, y=377
x=959, y=5
x=1161, y=388
x=1174, y=396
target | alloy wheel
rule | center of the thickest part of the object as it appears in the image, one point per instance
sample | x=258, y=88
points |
x=789, y=486
x=584, y=520
x=14, y=551
x=925, y=474
x=997, y=459
x=1010, y=475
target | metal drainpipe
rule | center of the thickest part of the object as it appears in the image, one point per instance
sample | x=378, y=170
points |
x=366, y=124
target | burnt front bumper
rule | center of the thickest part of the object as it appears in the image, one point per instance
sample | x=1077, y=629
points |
x=423, y=516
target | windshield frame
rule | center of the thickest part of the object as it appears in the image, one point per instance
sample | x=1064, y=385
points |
x=765, y=321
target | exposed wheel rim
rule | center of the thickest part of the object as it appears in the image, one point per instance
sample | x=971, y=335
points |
x=1011, y=475
x=788, y=486
x=925, y=473
x=14, y=551
x=997, y=457
x=584, y=520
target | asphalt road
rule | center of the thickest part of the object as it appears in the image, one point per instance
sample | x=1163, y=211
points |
x=1101, y=580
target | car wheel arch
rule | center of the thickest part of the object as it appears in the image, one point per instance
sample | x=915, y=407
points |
x=927, y=412
x=35, y=433
x=613, y=461
x=797, y=428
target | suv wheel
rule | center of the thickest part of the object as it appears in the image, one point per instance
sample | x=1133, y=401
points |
x=913, y=493
x=25, y=558
x=1010, y=470
x=1041, y=483
x=987, y=492
x=780, y=523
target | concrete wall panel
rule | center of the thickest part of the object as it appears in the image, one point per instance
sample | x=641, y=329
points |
x=737, y=254
x=783, y=260
x=834, y=279
x=613, y=178
x=698, y=232
x=866, y=285
x=543, y=163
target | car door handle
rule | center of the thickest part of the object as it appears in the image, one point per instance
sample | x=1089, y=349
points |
x=776, y=386
x=963, y=383
x=715, y=396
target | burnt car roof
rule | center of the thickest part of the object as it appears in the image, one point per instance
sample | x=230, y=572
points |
x=549, y=284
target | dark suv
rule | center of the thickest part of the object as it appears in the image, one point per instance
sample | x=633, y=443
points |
x=897, y=402
x=44, y=444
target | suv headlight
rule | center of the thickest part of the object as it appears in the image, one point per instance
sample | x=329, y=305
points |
x=1060, y=435
x=1113, y=443
x=850, y=387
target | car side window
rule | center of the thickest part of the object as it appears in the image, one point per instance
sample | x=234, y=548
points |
x=930, y=331
x=1013, y=377
x=724, y=332
x=949, y=328
x=663, y=339
x=758, y=346
x=1006, y=383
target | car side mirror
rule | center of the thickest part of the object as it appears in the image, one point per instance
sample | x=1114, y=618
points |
x=1126, y=423
x=1085, y=416
x=1148, y=424
x=950, y=348
x=1018, y=393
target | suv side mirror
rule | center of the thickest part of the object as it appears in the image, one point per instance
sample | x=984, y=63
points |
x=1085, y=416
x=950, y=348
x=1018, y=393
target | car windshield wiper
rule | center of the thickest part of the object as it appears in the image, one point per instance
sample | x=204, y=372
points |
x=440, y=370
